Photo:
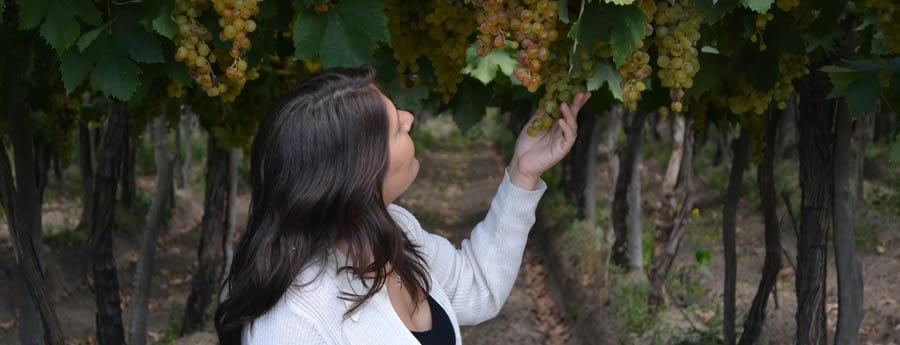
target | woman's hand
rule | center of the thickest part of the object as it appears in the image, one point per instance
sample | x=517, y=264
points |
x=535, y=155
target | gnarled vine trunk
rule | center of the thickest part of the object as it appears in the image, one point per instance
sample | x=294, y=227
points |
x=620, y=199
x=741, y=148
x=209, y=254
x=109, y=312
x=766, y=182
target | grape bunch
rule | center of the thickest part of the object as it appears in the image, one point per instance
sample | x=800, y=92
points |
x=441, y=37
x=529, y=26
x=889, y=17
x=191, y=42
x=561, y=85
x=790, y=68
x=677, y=33
x=637, y=65
x=236, y=22
x=762, y=20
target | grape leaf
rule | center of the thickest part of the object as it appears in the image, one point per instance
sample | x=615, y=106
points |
x=862, y=96
x=60, y=29
x=74, y=67
x=85, y=41
x=32, y=12
x=85, y=10
x=163, y=24
x=628, y=24
x=563, y=12
x=716, y=9
x=858, y=81
x=2, y=10
x=115, y=74
x=485, y=68
x=308, y=30
x=759, y=6
x=605, y=74
x=470, y=103
x=345, y=36
x=621, y=26
x=140, y=44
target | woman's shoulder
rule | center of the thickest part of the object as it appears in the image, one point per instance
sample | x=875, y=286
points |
x=405, y=219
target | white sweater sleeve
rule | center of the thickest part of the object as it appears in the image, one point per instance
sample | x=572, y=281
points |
x=479, y=276
x=283, y=327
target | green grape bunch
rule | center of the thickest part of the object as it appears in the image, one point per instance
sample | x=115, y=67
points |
x=441, y=36
x=637, y=65
x=676, y=35
x=561, y=86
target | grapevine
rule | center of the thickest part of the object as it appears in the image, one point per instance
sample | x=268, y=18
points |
x=441, y=36
x=677, y=33
x=889, y=17
x=529, y=26
x=637, y=65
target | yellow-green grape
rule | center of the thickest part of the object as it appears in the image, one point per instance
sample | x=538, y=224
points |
x=676, y=36
x=889, y=18
x=174, y=89
x=441, y=36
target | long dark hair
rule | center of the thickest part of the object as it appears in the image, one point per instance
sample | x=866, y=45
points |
x=317, y=166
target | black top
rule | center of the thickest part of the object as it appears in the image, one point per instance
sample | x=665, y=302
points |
x=441, y=332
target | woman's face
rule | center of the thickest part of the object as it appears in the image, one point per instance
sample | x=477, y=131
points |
x=402, y=164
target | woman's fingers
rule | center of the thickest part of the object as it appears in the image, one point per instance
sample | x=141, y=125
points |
x=568, y=134
x=569, y=116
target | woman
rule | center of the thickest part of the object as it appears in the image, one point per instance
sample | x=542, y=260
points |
x=328, y=259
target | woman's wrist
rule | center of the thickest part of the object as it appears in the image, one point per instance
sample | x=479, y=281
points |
x=522, y=180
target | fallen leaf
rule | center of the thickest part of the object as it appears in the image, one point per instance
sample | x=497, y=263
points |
x=8, y=324
x=706, y=315
x=831, y=307
x=888, y=301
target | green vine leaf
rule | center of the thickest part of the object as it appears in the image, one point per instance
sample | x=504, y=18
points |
x=604, y=74
x=621, y=26
x=85, y=10
x=32, y=13
x=485, y=68
x=858, y=82
x=758, y=6
x=470, y=103
x=345, y=36
x=60, y=29
x=74, y=68
x=141, y=45
x=85, y=41
x=163, y=24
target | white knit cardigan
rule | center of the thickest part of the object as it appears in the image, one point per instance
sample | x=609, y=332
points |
x=473, y=282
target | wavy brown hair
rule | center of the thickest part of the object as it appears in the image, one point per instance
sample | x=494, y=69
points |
x=317, y=167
